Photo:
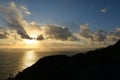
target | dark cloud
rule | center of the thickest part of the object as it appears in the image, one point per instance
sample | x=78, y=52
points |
x=14, y=18
x=100, y=35
x=6, y=33
x=40, y=37
x=85, y=32
x=3, y=36
x=114, y=36
x=55, y=32
x=20, y=30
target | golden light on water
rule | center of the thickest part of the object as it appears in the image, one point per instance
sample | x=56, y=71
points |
x=28, y=59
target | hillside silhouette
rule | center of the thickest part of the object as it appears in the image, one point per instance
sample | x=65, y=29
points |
x=99, y=64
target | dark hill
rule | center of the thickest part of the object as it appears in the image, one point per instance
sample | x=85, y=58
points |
x=100, y=64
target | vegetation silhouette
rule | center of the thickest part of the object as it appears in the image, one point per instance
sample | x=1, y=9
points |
x=99, y=64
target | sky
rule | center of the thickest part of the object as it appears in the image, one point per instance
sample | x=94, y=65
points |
x=99, y=14
x=70, y=20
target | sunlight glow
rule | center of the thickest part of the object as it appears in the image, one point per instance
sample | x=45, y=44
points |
x=31, y=42
x=33, y=36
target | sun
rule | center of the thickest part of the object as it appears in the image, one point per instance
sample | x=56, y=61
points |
x=33, y=36
x=30, y=42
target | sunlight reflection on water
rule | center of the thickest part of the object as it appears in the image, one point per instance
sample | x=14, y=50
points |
x=16, y=60
x=28, y=59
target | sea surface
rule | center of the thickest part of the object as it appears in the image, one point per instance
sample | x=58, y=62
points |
x=13, y=61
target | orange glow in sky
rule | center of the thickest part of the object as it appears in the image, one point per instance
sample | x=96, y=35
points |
x=30, y=42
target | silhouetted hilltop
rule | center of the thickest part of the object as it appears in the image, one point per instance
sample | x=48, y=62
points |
x=100, y=64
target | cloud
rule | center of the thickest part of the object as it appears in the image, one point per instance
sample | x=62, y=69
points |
x=6, y=33
x=23, y=7
x=99, y=35
x=40, y=37
x=2, y=33
x=104, y=10
x=3, y=36
x=33, y=29
x=114, y=36
x=14, y=18
x=20, y=28
x=86, y=34
x=56, y=32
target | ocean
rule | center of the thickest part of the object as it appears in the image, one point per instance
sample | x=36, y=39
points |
x=13, y=61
